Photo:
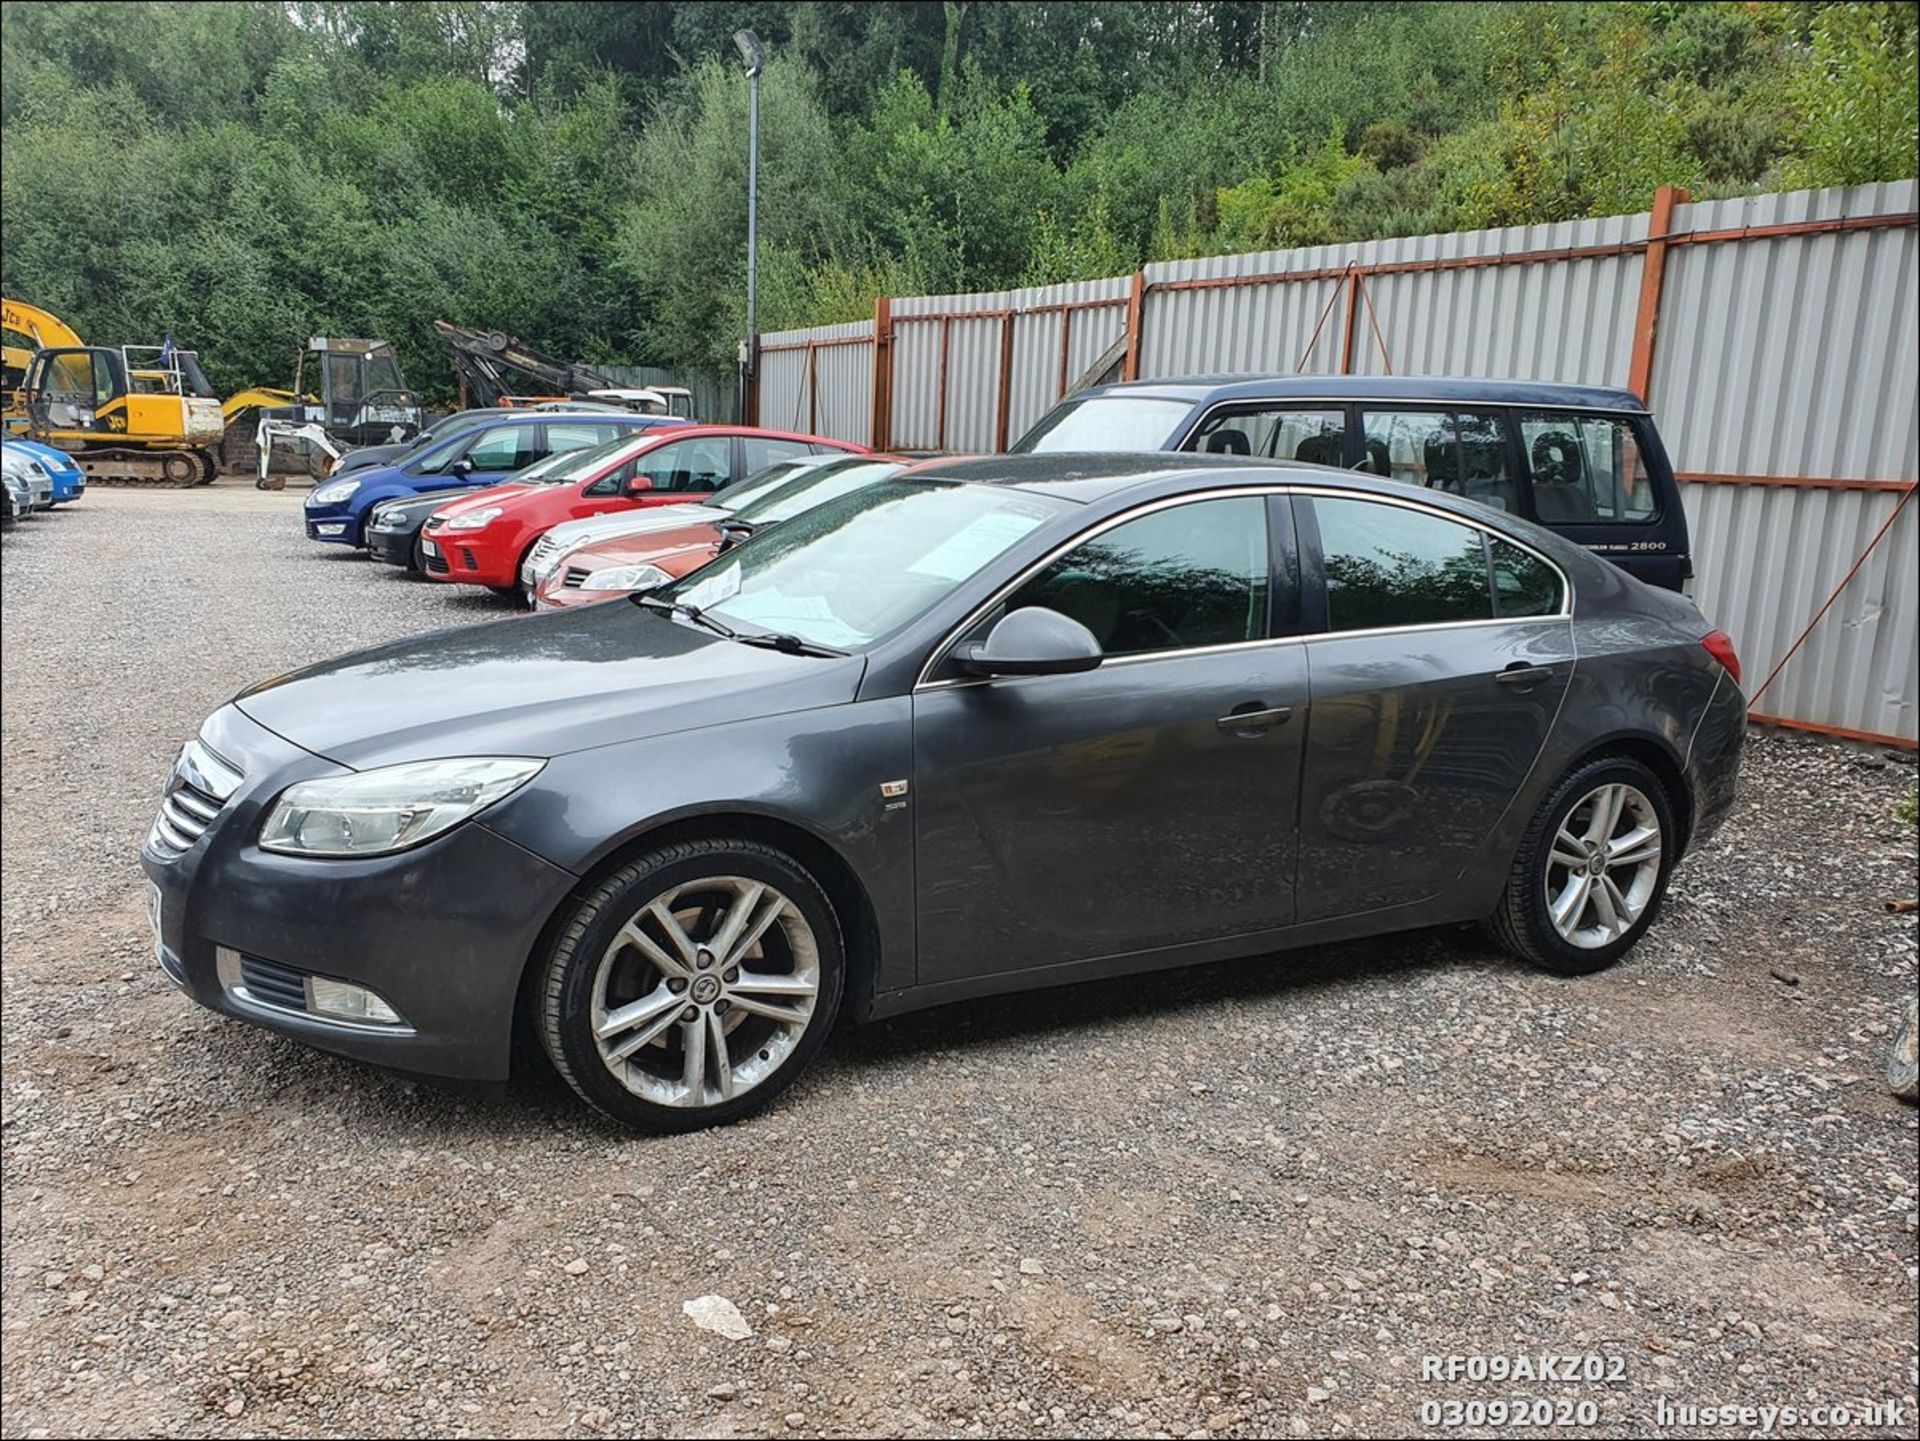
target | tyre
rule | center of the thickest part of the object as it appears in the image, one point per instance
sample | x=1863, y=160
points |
x=1591, y=870
x=418, y=565
x=1903, y=1061
x=692, y=986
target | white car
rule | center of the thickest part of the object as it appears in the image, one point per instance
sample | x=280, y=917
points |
x=33, y=476
x=569, y=536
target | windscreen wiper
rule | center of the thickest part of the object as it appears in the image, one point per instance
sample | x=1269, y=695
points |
x=784, y=643
x=732, y=532
x=692, y=612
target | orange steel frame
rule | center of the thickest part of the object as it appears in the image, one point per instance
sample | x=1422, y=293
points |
x=1661, y=238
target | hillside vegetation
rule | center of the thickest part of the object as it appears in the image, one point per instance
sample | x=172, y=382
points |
x=243, y=175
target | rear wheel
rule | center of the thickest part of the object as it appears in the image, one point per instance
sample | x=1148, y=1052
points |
x=1591, y=870
x=693, y=985
x=180, y=467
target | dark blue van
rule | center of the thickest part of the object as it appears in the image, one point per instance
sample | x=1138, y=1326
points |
x=1584, y=461
x=477, y=456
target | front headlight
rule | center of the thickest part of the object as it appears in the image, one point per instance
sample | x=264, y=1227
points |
x=626, y=577
x=385, y=519
x=333, y=490
x=473, y=519
x=377, y=812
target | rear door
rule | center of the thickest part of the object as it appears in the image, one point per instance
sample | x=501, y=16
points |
x=685, y=470
x=1441, y=656
x=1463, y=452
x=755, y=453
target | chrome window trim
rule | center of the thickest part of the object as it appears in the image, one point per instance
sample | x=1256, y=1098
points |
x=939, y=652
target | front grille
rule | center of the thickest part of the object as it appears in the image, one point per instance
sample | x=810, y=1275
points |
x=273, y=985
x=197, y=787
x=575, y=577
x=542, y=549
x=438, y=564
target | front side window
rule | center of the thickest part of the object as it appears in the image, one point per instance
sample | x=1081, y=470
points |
x=1585, y=468
x=1315, y=436
x=1462, y=452
x=1387, y=565
x=686, y=465
x=1188, y=576
x=508, y=448
x=1132, y=423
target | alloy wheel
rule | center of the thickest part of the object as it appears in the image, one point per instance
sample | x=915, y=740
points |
x=705, y=991
x=1604, y=866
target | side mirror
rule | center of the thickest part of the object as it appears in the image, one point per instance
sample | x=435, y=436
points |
x=639, y=485
x=461, y=468
x=1031, y=641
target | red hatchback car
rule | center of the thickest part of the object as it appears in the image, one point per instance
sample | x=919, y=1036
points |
x=481, y=538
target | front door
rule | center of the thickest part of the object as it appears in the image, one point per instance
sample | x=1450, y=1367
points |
x=1445, y=656
x=1145, y=804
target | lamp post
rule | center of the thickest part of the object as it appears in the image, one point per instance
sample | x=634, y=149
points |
x=754, y=55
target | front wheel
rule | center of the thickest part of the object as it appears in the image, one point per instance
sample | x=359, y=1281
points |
x=1591, y=870
x=693, y=985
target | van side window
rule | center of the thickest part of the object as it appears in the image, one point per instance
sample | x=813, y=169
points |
x=1462, y=452
x=1317, y=436
x=1586, y=468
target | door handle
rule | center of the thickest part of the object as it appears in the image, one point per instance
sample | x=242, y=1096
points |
x=1256, y=719
x=1520, y=673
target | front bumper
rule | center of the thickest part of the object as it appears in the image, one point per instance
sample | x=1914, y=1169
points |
x=335, y=524
x=467, y=557
x=443, y=932
x=394, y=547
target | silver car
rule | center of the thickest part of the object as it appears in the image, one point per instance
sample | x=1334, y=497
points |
x=34, y=481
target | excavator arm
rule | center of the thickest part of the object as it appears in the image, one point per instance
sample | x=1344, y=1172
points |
x=45, y=329
x=480, y=358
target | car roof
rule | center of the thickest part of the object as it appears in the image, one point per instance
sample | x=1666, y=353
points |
x=1091, y=476
x=1410, y=388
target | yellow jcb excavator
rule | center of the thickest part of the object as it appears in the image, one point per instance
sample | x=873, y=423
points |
x=130, y=415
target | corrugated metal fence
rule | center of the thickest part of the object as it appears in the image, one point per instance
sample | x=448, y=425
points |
x=1777, y=338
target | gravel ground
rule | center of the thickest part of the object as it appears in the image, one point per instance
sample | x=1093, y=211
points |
x=1245, y=1199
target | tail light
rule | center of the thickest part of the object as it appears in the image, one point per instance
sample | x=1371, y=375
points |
x=1719, y=645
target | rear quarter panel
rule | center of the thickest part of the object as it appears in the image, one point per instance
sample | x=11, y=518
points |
x=1640, y=677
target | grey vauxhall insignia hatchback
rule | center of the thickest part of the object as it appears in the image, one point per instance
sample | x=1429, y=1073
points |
x=1003, y=723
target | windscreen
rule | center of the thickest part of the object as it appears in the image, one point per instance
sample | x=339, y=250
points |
x=857, y=569
x=1106, y=422
x=815, y=487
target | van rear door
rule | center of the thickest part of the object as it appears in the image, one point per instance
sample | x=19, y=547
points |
x=1602, y=480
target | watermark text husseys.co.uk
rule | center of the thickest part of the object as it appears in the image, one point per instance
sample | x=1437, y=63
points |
x=1768, y=1419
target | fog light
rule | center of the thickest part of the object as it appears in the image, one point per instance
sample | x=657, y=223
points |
x=331, y=529
x=348, y=1002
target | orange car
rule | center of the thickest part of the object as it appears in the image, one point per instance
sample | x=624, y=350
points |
x=640, y=562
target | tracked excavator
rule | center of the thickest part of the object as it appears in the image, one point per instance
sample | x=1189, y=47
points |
x=130, y=415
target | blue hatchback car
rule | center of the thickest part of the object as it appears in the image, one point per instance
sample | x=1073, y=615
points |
x=337, y=511
x=69, y=480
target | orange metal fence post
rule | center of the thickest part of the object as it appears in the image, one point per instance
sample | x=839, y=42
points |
x=1066, y=347
x=1653, y=276
x=1353, y=320
x=1136, y=314
x=880, y=434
